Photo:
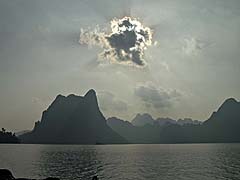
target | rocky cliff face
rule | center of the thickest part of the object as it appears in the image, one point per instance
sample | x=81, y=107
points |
x=73, y=120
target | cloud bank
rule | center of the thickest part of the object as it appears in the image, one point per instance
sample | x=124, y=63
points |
x=110, y=103
x=156, y=97
x=125, y=44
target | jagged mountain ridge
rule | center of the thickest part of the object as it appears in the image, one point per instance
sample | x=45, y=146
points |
x=147, y=119
x=222, y=127
x=78, y=120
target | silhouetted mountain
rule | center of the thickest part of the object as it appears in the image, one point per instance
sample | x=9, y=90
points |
x=142, y=119
x=76, y=119
x=222, y=126
x=165, y=121
x=125, y=128
x=73, y=120
x=228, y=113
x=188, y=121
x=135, y=134
x=8, y=137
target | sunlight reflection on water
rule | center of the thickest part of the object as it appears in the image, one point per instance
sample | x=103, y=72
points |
x=125, y=162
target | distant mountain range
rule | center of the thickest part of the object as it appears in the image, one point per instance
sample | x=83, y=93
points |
x=222, y=126
x=78, y=120
x=73, y=120
x=144, y=119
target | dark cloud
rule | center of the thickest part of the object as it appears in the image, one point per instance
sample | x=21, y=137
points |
x=125, y=44
x=109, y=102
x=156, y=97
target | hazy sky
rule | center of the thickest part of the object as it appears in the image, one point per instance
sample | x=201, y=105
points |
x=189, y=73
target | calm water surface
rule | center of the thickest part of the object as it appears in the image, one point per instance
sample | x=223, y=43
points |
x=124, y=162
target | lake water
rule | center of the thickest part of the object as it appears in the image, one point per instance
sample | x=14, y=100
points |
x=124, y=162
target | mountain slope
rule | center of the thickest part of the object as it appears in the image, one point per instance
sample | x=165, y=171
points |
x=135, y=134
x=224, y=124
x=143, y=119
x=73, y=120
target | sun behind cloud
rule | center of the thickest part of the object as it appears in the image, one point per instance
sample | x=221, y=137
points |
x=125, y=44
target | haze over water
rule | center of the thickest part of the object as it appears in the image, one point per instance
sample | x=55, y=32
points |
x=128, y=162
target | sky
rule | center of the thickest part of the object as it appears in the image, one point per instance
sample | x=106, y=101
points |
x=191, y=68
